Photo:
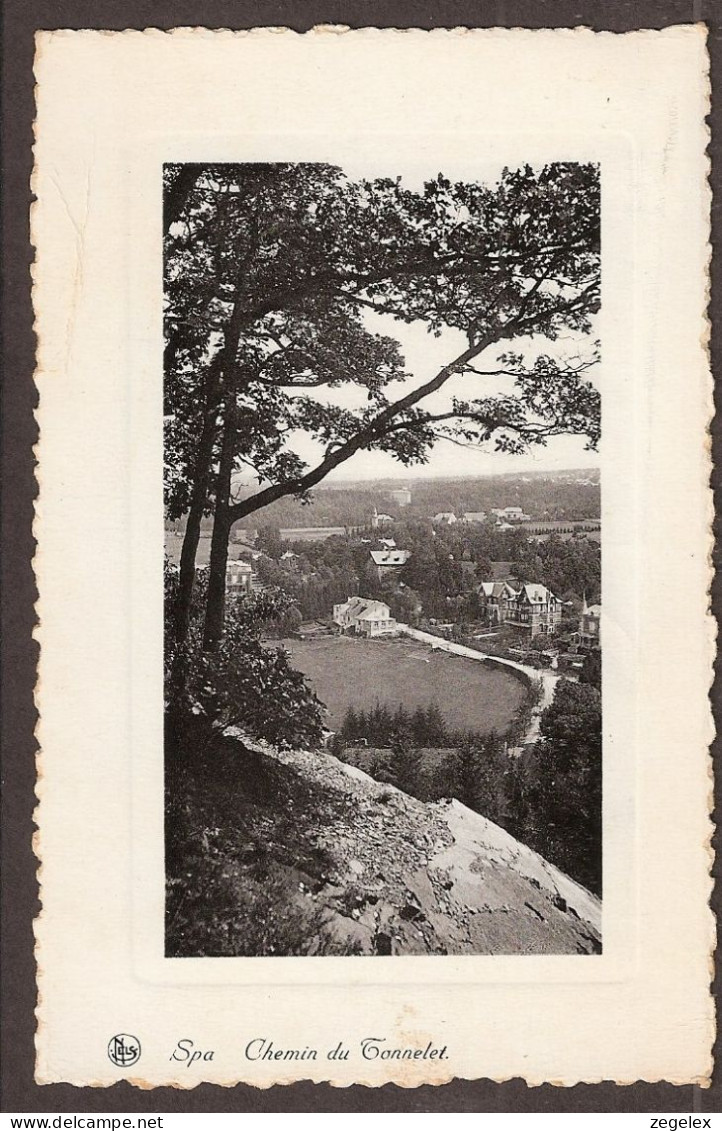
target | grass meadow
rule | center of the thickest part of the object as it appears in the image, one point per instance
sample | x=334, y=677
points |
x=352, y=672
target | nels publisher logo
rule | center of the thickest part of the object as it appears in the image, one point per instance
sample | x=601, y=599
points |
x=124, y=1050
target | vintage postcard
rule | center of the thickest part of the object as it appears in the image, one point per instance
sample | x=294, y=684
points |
x=373, y=557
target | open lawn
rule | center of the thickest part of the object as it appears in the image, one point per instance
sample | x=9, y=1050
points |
x=351, y=672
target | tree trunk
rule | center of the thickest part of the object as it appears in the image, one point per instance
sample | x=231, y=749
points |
x=222, y=521
x=199, y=496
x=223, y=373
x=191, y=539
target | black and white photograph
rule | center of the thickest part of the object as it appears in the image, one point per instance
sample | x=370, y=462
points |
x=383, y=559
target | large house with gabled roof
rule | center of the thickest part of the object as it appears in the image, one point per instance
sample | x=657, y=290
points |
x=496, y=598
x=365, y=617
x=531, y=607
x=389, y=561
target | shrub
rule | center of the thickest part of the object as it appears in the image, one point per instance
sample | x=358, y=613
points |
x=242, y=683
x=216, y=916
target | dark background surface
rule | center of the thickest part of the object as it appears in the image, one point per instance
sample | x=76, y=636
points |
x=21, y=18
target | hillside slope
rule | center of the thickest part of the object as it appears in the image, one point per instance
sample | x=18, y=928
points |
x=388, y=874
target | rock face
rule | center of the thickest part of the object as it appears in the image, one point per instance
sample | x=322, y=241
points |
x=410, y=877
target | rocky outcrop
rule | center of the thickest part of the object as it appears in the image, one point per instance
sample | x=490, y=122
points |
x=412, y=877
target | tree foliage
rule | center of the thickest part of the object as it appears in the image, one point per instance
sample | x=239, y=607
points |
x=563, y=785
x=268, y=540
x=243, y=683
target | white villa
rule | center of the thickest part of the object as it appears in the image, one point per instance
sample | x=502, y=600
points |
x=365, y=617
x=239, y=579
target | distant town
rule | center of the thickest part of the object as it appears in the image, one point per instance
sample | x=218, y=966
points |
x=510, y=564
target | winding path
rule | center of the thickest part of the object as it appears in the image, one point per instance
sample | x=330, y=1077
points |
x=548, y=679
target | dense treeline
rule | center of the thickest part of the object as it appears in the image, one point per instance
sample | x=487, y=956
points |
x=550, y=797
x=418, y=752
x=381, y=726
x=477, y=771
x=560, y=803
x=545, y=497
